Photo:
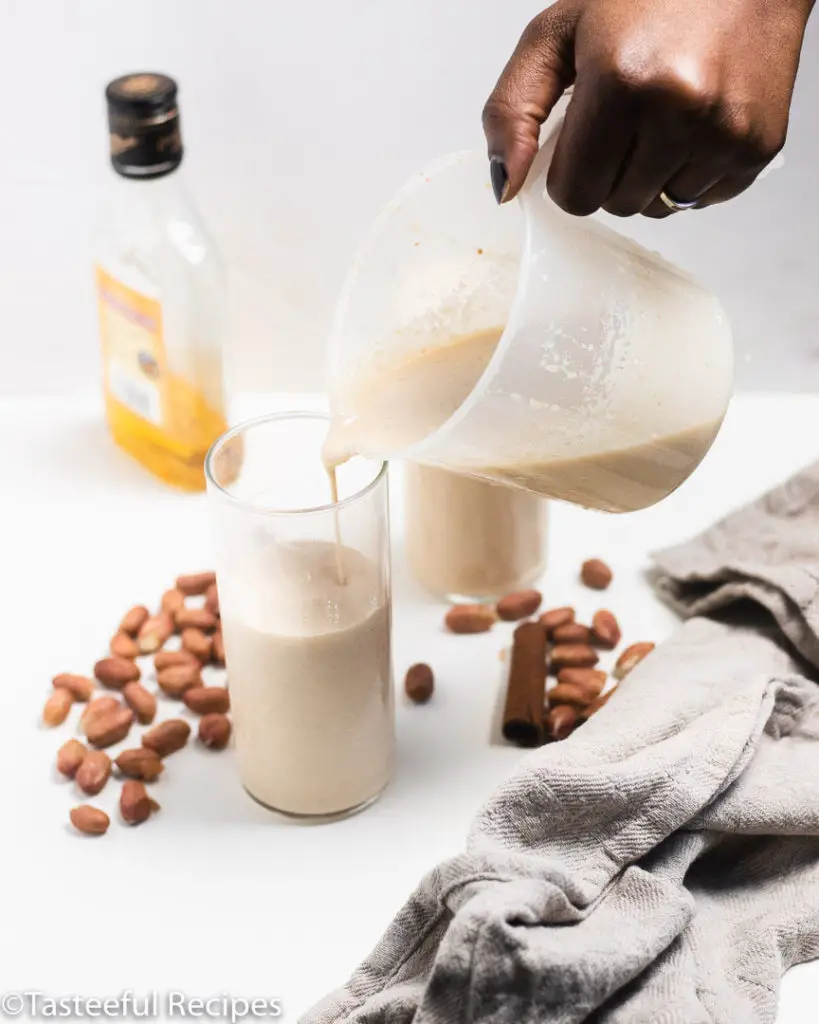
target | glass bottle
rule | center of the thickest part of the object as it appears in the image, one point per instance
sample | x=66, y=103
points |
x=161, y=292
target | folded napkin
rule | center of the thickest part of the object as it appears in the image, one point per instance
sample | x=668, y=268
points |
x=662, y=864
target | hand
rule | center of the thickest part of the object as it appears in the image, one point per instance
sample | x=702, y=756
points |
x=690, y=97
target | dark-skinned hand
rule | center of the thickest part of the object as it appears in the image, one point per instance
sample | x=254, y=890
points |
x=690, y=97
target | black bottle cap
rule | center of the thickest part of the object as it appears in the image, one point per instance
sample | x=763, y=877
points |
x=143, y=125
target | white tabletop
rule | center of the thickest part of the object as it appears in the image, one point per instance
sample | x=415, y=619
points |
x=215, y=895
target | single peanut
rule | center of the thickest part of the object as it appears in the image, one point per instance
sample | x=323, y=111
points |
x=573, y=656
x=116, y=672
x=596, y=574
x=174, y=681
x=94, y=772
x=70, y=756
x=197, y=618
x=80, y=687
x=197, y=643
x=140, y=763
x=195, y=583
x=605, y=630
x=631, y=658
x=569, y=693
x=204, y=700
x=419, y=683
x=124, y=646
x=595, y=705
x=591, y=679
x=133, y=620
x=172, y=602
x=561, y=722
x=167, y=737
x=571, y=633
x=95, y=708
x=556, y=617
x=110, y=727
x=155, y=633
x=212, y=600
x=218, y=648
x=57, y=707
x=470, y=618
x=169, y=659
x=141, y=702
x=214, y=731
x=90, y=820
x=519, y=605
x=135, y=805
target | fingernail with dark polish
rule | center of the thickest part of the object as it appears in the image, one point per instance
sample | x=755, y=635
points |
x=500, y=179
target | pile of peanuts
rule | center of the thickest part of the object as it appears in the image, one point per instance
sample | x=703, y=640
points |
x=552, y=644
x=190, y=610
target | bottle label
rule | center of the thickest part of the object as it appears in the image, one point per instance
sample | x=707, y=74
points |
x=133, y=348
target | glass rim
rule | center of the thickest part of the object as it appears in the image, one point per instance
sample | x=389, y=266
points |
x=258, y=421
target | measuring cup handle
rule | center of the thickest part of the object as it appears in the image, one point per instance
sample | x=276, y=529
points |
x=535, y=184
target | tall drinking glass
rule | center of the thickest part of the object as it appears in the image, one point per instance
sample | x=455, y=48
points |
x=304, y=592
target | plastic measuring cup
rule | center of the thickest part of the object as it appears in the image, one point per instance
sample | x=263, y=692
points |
x=614, y=368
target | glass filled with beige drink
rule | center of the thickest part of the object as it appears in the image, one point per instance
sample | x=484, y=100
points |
x=304, y=591
x=468, y=540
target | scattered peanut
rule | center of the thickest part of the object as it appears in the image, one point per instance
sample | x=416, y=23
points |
x=94, y=772
x=95, y=708
x=90, y=820
x=174, y=681
x=195, y=583
x=80, y=687
x=520, y=605
x=135, y=805
x=197, y=643
x=167, y=737
x=573, y=656
x=133, y=620
x=124, y=646
x=470, y=618
x=140, y=763
x=605, y=630
x=214, y=731
x=631, y=658
x=141, y=702
x=555, y=618
x=561, y=722
x=205, y=700
x=155, y=633
x=57, y=707
x=110, y=727
x=571, y=633
x=70, y=757
x=596, y=574
x=590, y=679
x=419, y=683
x=172, y=602
x=116, y=672
x=169, y=659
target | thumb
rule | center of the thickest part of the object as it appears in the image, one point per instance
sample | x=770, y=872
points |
x=538, y=72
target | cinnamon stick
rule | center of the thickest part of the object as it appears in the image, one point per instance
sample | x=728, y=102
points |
x=526, y=690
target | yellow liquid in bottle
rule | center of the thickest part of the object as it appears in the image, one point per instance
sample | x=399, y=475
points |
x=160, y=417
x=176, y=455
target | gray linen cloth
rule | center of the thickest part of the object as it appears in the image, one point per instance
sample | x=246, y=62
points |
x=662, y=864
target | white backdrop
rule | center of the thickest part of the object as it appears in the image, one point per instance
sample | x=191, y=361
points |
x=300, y=120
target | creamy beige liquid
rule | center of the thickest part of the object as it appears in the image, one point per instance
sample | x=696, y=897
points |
x=466, y=539
x=311, y=683
x=405, y=403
